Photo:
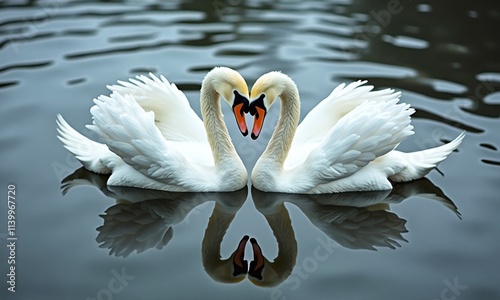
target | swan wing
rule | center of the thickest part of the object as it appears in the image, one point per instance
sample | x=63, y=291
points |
x=174, y=117
x=130, y=132
x=321, y=119
x=370, y=130
x=342, y=100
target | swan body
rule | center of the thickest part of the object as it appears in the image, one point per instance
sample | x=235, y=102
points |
x=346, y=143
x=153, y=138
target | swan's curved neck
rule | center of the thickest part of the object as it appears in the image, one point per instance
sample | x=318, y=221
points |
x=217, y=133
x=282, y=266
x=281, y=140
x=219, y=269
x=216, y=229
x=281, y=226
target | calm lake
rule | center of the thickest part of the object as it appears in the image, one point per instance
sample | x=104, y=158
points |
x=436, y=238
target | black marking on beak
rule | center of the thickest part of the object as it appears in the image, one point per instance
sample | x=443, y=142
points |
x=259, y=111
x=241, y=99
x=240, y=108
x=259, y=102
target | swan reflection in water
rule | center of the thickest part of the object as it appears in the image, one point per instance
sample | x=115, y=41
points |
x=355, y=220
x=143, y=219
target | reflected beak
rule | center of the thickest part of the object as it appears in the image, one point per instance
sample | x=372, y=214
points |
x=239, y=264
x=240, y=107
x=258, y=110
x=257, y=264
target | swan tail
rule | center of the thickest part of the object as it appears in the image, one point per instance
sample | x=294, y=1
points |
x=82, y=177
x=88, y=152
x=420, y=163
x=425, y=189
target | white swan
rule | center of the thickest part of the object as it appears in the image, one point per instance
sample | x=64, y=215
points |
x=153, y=138
x=346, y=143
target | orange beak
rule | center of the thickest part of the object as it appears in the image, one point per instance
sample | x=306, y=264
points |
x=240, y=108
x=258, y=122
x=257, y=109
x=239, y=113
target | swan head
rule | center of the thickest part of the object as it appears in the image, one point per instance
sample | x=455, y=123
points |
x=264, y=273
x=231, y=86
x=258, y=262
x=231, y=270
x=264, y=93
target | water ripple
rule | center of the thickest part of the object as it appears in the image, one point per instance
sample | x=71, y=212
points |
x=25, y=66
x=116, y=50
x=491, y=162
x=6, y=84
x=76, y=81
x=488, y=146
x=132, y=38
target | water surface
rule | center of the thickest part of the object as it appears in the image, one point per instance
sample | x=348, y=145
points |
x=432, y=239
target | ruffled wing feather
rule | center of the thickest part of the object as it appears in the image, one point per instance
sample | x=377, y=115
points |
x=173, y=115
x=367, y=132
x=340, y=102
x=130, y=132
x=317, y=124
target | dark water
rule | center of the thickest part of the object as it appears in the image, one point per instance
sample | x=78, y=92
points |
x=436, y=238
